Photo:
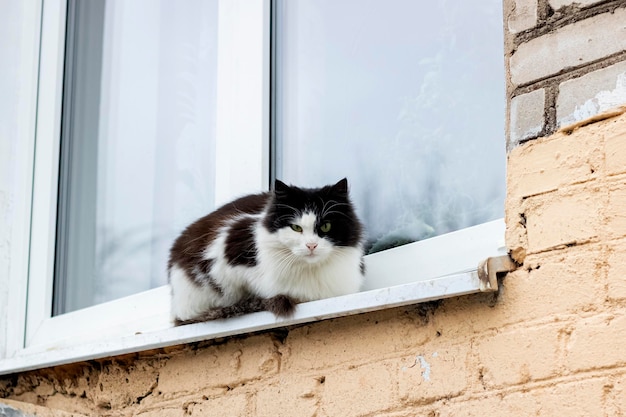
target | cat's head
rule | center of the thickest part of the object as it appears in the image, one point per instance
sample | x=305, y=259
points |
x=313, y=222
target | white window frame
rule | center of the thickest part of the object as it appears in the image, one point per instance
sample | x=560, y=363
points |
x=436, y=268
x=242, y=136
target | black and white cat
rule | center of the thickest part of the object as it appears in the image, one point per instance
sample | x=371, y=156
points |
x=267, y=252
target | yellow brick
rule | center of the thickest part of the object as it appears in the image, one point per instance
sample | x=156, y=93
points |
x=564, y=217
x=338, y=341
x=292, y=395
x=597, y=342
x=165, y=411
x=220, y=366
x=550, y=163
x=617, y=271
x=615, y=148
x=478, y=407
x=227, y=405
x=583, y=398
x=439, y=372
x=616, y=398
x=520, y=355
x=616, y=210
x=367, y=389
x=560, y=282
x=120, y=384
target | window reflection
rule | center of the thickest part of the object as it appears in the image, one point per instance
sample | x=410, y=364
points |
x=404, y=98
x=137, y=144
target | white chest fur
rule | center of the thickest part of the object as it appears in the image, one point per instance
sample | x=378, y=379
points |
x=299, y=263
x=287, y=265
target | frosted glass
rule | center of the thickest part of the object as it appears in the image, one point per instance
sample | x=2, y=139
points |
x=138, y=143
x=404, y=98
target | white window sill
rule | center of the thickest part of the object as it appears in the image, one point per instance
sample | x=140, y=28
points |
x=401, y=295
x=437, y=268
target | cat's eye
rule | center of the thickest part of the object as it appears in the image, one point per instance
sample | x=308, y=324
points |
x=325, y=228
x=296, y=228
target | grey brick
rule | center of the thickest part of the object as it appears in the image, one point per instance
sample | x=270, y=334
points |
x=591, y=94
x=557, y=4
x=570, y=46
x=523, y=16
x=527, y=115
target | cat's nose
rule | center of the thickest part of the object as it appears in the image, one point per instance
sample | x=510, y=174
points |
x=311, y=246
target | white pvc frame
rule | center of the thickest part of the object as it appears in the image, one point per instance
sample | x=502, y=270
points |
x=242, y=137
x=441, y=267
x=13, y=301
x=46, y=169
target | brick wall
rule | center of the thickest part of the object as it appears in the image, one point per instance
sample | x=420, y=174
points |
x=550, y=343
x=566, y=62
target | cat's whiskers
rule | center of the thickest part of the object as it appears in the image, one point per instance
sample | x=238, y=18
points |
x=286, y=261
x=333, y=204
x=285, y=217
x=336, y=212
x=295, y=211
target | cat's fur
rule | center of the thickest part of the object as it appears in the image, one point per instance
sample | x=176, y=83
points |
x=267, y=252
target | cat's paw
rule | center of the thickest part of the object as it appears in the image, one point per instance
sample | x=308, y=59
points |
x=281, y=305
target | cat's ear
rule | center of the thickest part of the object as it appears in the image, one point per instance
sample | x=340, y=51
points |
x=341, y=187
x=280, y=188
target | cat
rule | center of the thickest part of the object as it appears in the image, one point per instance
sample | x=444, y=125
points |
x=267, y=251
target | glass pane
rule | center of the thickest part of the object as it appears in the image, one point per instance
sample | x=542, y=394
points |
x=406, y=99
x=138, y=146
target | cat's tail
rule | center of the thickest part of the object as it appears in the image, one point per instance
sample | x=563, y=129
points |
x=281, y=305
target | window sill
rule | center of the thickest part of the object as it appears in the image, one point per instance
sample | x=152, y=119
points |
x=367, y=301
x=432, y=269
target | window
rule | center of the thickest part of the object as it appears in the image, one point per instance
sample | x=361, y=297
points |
x=139, y=113
x=137, y=143
x=151, y=114
x=405, y=99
